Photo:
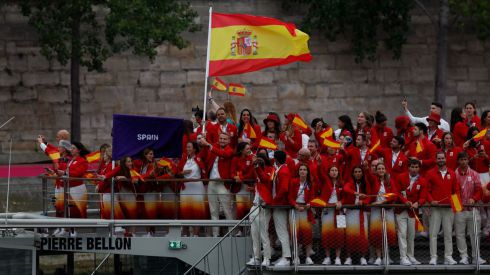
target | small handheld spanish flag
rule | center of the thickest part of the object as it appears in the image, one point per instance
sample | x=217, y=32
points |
x=52, y=152
x=390, y=195
x=317, y=202
x=456, y=203
x=218, y=85
x=165, y=162
x=375, y=146
x=331, y=143
x=419, y=226
x=326, y=133
x=136, y=174
x=249, y=130
x=481, y=135
x=419, y=147
x=236, y=89
x=298, y=121
x=93, y=157
x=267, y=143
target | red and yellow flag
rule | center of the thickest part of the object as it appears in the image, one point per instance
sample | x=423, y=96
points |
x=136, y=174
x=481, y=135
x=419, y=147
x=326, y=133
x=249, y=130
x=93, y=157
x=267, y=143
x=390, y=195
x=165, y=162
x=242, y=43
x=331, y=143
x=236, y=89
x=456, y=203
x=317, y=202
x=52, y=152
x=298, y=121
x=375, y=146
x=419, y=226
x=218, y=85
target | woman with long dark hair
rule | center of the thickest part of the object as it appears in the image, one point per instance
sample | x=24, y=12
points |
x=272, y=124
x=248, y=130
x=451, y=150
x=242, y=170
x=356, y=238
x=345, y=126
x=472, y=118
x=458, y=126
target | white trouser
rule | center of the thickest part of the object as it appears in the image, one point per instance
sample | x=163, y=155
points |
x=280, y=217
x=217, y=193
x=406, y=234
x=463, y=223
x=444, y=216
x=259, y=229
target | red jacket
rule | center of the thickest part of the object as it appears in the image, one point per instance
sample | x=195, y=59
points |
x=258, y=135
x=264, y=183
x=105, y=185
x=460, y=132
x=210, y=130
x=244, y=169
x=181, y=164
x=117, y=172
x=292, y=147
x=438, y=134
x=281, y=182
x=394, y=168
x=146, y=170
x=349, y=196
x=383, y=133
x=427, y=155
x=77, y=168
x=224, y=156
x=452, y=157
x=231, y=130
x=328, y=188
x=440, y=189
x=418, y=192
x=374, y=185
x=308, y=192
x=479, y=163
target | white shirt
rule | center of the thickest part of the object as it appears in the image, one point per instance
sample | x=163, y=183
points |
x=195, y=173
x=381, y=192
x=357, y=196
x=363, y=153
x=443, y=173
x=394, y=156
x=333, y=196
x=443, y=126
x=300, y=198
x=214, y=171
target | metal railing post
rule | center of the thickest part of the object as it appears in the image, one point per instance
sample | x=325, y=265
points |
x=65, y=197
x=45, y=195
x=385, y=240
x=294, y=234
x=476, y=244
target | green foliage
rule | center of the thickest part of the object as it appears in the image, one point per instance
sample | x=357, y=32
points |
x=93, y=30
x=474, y=14
x=364, y=22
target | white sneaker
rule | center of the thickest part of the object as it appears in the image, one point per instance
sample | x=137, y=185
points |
x=363, y=261
x=119, y=230
x=464, y=260
x=253, y=261
x=414, y=261
x=481, y=261
x=149, y=235
x=309, y=261
x=348, y=261
x=283, y=262
x=449, y=261
x=327, y=261
x=266, y=262
x=405, y=261
x=57, y=231
x=378, y=261
x=433, y=261
x=62, y=233
x=337, y=261
x=73, y=234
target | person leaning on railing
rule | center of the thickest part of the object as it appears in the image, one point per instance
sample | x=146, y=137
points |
x=300, y=195
x=192, y=204
x=105, y=173
x=333, y=237
x=356, y=237
x=381, y=191
x=412, y=191
x=260, y=218
x=241, y=170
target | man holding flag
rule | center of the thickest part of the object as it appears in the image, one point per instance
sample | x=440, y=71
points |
x=471, y=192
x=442, y=183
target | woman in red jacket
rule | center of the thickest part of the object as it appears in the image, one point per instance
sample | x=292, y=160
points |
x=451, y=150
x=242, y=169
x=356, y=238
x=300, y=195
x=332, y=236
x=472, y=119
x=291, y=137
x=104, y=187
x=192, y=194
x=382, y=191
x=248, y=129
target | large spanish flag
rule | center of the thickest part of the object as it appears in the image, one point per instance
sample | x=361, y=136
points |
x=242, y=43
x=481, y=135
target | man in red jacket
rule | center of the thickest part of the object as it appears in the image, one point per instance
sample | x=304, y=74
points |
x=441, y=184
x=412, y=191
x=280, y=188
x=224, y=127
x=422, y=149
x=218, y=164
x=471, y=192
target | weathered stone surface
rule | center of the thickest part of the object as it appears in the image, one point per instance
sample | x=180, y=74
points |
x=41, y=78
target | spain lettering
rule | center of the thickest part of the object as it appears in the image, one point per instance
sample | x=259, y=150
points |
x=85, y=244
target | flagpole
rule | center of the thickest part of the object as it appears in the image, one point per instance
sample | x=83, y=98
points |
x=207, y=71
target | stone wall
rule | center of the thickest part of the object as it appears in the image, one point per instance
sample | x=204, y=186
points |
x=36, y=91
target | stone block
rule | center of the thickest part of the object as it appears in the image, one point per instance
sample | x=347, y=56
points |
x=322, y=61
x=139, y=63
x=116, y=64
x=340, y=46
x=24, y=94
x=409, y=90
x=168, y=93
x=386, y=75
x=173, y=78
x=392, y=89
x=264, y=92
x=127, y=78
x=95, y=78
x=97, y=120
x=146, y=94
x=190, y=92
x=280, y=76
x=41, y=78
x=260, y=78
x=478, y=73
x=387, y=61
x=416, y=48
x=466, y=87
x=457, y=73
x=475, y=46
x=149, y=79
x=195, y=77
x=55, y=95
x=37, y=62
x=185, y=52
x=451, y=101
x=422, y=74
x=5, y=94
x=291, y=90
x=317, y=91
x=17, y=62
x=9, y=80
x=192, y=63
